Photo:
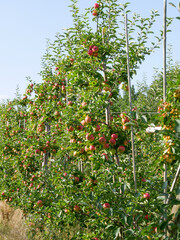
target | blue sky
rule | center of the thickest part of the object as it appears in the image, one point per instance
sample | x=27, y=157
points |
x=25, y=26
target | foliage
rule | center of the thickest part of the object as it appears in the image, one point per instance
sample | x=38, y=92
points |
x=66, y=151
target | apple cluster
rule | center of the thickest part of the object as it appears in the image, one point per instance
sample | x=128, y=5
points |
x=95, y=11
x=93, y=51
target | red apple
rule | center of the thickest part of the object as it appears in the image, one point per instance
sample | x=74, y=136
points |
x=115, y=136
x=83, y=122
x=96, y=5
x=147, y=195
x=70, y=103
x=106, y=205
x=106, y=146
x=112, y=141
x=83, y=104
x=143, y=180
x=80, y=127
x=87, y=119
x=92, y=148
x=40, y=203
x=76, y=179
x=94, y=13
x=77, y=208
x=95, y=49
x=90, y=52
x=146, y=217
x=56, y=68
x=70, y=129
x=90, y=137
x=59, y=103
x=125, y=119
x=102, y=140
x=71, y=60
x=121, y=149
x=97, y=128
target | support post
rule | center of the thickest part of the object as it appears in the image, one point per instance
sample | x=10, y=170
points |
x=130, y=102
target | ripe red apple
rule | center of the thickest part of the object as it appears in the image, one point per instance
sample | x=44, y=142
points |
x=37, y=151
x=77, y=208
x=143, y=180
x=90, y=137
x=146, y=195
x=96, y=5
x=59, y=103
x=83, y=104
x=102, y=140
x=3, y=193
x=106, y=146
x=40, y=203
x=80, y=127
x=66, y=210
x=92, y=148
x=115, y=136
x=97, y=128
x=95, y=49
x=71, y=60
x=106, y=205
x=87, y=119
x=81, y=150
x=83, y=122
x=121, y=149
x=70, y=129
x=70, y=103
x=125, y=119
x=112, y=141
x=76, y=179
x=56, y=68
x=94, y=13
x=146, y=217
x=54, y=96
x=90, y=52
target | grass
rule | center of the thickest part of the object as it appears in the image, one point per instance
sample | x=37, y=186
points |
x=12, y=225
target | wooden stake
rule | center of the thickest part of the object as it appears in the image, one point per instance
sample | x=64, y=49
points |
x=164, y=82
x=164, y=99
x=130, y=102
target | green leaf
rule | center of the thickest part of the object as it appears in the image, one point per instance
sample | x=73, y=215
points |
x=172, y=4
x=177, y=126
x=117, y=232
